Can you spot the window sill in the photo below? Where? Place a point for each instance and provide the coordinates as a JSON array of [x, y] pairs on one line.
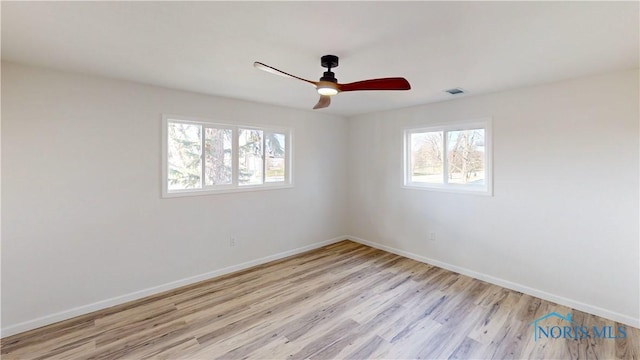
[[205, 192], [451, 189]]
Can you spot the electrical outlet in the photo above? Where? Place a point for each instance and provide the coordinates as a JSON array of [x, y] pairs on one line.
[[232, 242], [432, 236]]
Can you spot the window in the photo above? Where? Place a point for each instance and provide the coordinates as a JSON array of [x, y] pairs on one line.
[[201, 157], [452, 157]]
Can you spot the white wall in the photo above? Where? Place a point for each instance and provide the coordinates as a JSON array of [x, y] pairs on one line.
[[563, 221], [83, 220]]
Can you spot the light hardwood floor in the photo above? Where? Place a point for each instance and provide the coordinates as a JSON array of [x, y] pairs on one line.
[[343, 301]]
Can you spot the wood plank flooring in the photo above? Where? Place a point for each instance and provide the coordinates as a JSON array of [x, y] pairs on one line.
[[343, 301]]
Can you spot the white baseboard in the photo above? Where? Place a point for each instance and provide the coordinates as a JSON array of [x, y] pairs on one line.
[[100, 305], [103, 304], [595, 310]]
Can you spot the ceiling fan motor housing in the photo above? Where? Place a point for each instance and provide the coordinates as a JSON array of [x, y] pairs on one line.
[[329, 76]]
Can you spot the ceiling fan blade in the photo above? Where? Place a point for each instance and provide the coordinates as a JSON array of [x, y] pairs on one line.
[[396, 83], [270, 69], [323, 102]]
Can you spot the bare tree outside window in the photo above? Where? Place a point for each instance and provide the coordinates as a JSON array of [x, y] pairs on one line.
[[184, 156], [275, 157], [465, 156], [426, 157], [451, 157], [201, 157], [250, 153], [217, 143]]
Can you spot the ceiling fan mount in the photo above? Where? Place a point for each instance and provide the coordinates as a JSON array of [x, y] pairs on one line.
[[329, 61], [329, 86]]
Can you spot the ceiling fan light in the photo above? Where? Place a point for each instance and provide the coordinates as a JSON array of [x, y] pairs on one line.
[[328, 91], [327, 88]]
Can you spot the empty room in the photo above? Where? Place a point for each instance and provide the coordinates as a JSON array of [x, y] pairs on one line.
[[320, 180]]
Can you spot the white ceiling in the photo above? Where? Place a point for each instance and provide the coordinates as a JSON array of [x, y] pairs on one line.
[[209, 47]]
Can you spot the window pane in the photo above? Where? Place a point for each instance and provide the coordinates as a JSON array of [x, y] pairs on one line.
[[217, 163], [250, 163], [275, 164], [426, 157], [466, 156], [184, 156]]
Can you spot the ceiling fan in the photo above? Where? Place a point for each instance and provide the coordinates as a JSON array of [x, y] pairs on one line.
[[329, 86]]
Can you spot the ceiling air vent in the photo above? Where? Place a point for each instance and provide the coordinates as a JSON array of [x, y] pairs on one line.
[[455, 91]]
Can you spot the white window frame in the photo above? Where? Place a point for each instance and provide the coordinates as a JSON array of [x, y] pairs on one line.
[[234, 186], [486, 189]]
